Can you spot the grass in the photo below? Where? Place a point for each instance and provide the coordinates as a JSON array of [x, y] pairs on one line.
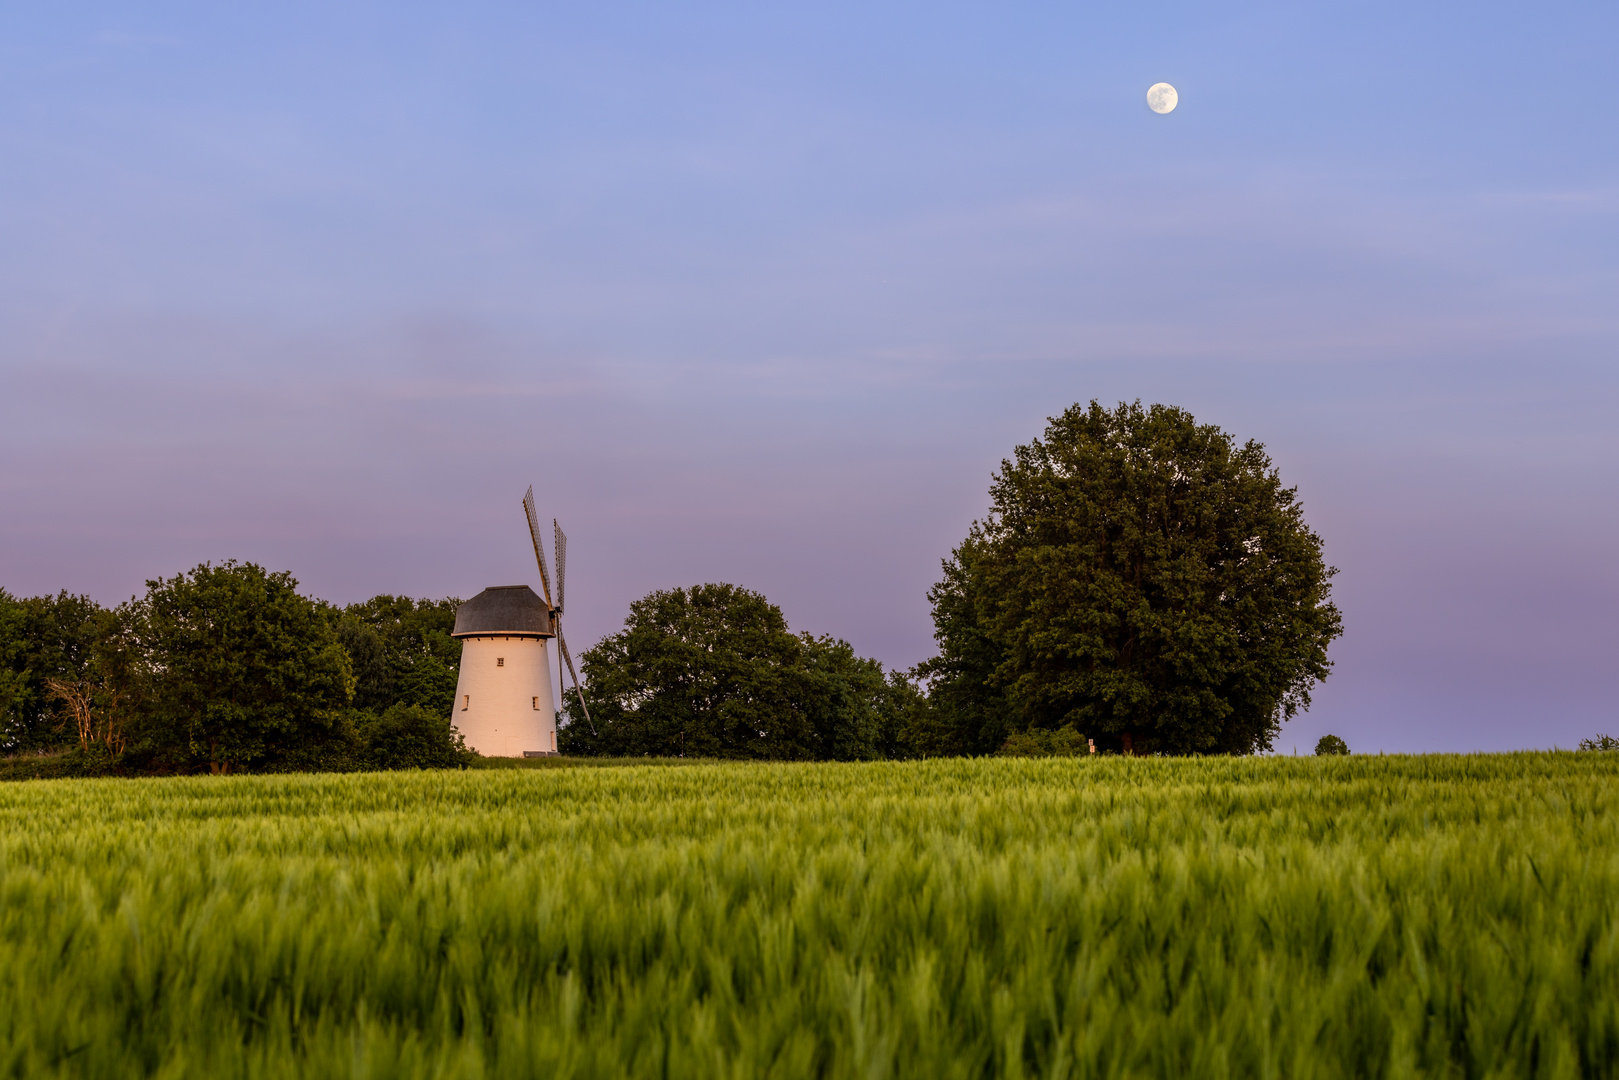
[[585, 762], [1401, 916]]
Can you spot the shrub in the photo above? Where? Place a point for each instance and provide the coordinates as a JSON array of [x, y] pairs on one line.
[[1066, 741], [59, 765], [411, 737]]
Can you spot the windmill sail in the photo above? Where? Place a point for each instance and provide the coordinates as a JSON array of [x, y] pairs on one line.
[[555, 608], [562, 645], [562, 561], [539, 546]]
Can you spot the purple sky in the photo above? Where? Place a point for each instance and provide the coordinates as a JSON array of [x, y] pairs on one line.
[[764, 296]]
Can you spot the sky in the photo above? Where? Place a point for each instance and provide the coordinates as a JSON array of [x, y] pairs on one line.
[[765, 293]]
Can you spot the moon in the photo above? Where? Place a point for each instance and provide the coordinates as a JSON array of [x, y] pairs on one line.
[[1161, 98]]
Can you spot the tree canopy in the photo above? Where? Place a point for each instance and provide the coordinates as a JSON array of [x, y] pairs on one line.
[[41, 638], [249, 668], [713, 671], [1140, 576], [402, 652]]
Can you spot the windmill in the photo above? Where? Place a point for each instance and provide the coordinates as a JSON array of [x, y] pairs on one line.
[[561, 541], [504, 704]]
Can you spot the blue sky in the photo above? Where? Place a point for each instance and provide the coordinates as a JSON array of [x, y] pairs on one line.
[[764, 293]]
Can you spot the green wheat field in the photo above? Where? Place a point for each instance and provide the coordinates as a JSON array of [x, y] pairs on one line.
[[1364, 916]]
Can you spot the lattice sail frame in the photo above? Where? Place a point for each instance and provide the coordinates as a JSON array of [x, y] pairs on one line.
[[561, 548], [539, 545], [562, 647]]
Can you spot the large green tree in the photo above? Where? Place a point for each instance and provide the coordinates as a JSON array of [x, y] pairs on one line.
[[713, 671], [1141, 576], [244, 670]]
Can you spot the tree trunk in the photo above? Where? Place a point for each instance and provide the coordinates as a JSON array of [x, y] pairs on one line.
[[77, 696], [1129, 745]]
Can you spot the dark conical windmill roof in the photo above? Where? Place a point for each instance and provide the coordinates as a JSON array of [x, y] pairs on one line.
[[503, 609]]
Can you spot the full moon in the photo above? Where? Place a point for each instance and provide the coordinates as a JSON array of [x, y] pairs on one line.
[[1161, 97]]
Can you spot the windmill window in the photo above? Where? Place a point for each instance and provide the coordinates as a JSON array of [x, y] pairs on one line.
[[466, 702], [500, 661], [536, 703]]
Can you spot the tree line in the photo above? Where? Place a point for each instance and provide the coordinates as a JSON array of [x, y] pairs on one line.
[[228, 668], [1142, 583]]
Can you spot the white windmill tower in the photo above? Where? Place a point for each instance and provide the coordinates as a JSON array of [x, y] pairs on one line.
[[503, 701]]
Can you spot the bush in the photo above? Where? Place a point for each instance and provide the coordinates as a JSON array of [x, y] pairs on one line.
[[59, 765], [1066, 741], [410, 737], [1600, 743], [1330, 745]]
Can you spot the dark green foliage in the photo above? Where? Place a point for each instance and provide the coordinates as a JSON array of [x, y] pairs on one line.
[[1600, 743], [14, 673], [61, 765], [1043, 742], [405, 668], [713, 671], [1329, 745], [402, 652], [906, 724], [1141, 577], [410, 737], [841, 695], [700, 672], [245, 671], [41, 637], [971, 712]]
